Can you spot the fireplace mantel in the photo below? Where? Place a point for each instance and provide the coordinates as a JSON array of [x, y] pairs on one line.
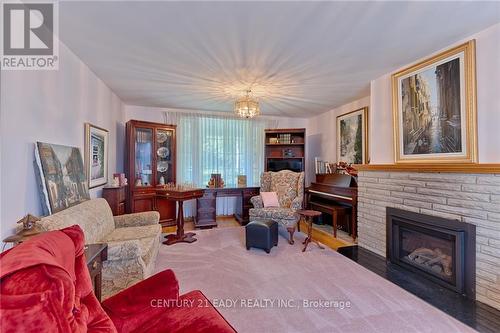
[[454, 168]]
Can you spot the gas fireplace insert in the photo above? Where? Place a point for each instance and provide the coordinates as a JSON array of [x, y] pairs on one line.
[[440, 249]]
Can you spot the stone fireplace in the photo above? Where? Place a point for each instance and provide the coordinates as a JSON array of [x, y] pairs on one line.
[[439, 249], [457, 197]]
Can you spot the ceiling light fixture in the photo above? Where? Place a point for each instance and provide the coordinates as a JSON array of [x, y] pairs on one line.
[[247, 106]]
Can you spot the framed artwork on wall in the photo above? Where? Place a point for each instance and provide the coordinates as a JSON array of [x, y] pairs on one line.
[[352, 137], [434, 109], [96, 155], [61, 176]]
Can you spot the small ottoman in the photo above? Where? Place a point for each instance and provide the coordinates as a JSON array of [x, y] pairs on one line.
[[262, 234]]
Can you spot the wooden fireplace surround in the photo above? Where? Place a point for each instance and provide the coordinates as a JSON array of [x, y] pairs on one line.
[[432, 167]]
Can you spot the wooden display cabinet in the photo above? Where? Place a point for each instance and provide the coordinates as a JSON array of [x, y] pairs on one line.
[[150, 163]]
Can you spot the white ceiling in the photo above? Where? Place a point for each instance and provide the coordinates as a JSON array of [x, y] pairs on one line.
[[301, 58]]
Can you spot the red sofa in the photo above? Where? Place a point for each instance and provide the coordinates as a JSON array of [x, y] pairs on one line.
[[45, 287]]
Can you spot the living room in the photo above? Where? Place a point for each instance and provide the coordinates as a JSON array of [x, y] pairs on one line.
[[250, 166]]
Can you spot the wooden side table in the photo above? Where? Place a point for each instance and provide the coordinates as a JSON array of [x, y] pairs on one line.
[[180, 195], [309, 215], [115, 196], [95, 254]]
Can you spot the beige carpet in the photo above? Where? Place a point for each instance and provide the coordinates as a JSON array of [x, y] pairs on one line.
[[259, 292]]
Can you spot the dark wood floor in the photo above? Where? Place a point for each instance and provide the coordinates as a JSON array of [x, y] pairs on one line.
[[477, 315]]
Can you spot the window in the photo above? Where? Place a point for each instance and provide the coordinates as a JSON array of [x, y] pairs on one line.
[[216, 144]]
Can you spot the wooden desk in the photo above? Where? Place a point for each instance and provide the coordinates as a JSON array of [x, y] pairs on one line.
[[206, 205], [180, 196]]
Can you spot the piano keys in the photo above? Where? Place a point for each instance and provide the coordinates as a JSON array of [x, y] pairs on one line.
[[337, 195]]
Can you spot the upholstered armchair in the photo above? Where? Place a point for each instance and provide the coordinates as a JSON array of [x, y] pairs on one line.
[[46, 287], [289, 186], [133, 240]]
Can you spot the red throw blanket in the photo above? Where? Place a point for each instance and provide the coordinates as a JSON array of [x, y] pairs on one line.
[[46, 287]]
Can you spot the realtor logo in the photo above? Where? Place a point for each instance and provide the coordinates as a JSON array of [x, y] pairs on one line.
[[28, 31]]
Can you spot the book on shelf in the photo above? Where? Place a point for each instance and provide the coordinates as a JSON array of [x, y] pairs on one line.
[[283, 139], [323, 166]]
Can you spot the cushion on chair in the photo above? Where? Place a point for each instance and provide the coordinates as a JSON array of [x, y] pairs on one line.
[[198, 316], [132, 252], [274, 213], [145, 231], [144, 236], [270, 199], [136, 305]]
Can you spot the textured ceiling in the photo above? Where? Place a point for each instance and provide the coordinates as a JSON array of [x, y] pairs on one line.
[[300, 58]]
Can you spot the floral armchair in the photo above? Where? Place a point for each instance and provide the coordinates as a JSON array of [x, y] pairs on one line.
[[289, 187], [133, 240]]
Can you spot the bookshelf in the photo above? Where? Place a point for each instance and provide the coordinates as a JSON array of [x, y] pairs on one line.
[[285, 149]]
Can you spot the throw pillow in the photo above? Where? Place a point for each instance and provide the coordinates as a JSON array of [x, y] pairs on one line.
[[270, 199]]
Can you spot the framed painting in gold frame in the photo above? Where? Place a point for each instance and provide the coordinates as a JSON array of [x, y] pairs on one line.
[[434, 109], [352, 137], [96, 155]]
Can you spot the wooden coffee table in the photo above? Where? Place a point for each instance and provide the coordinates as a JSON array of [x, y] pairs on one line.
[[309, 215], [180, 195]]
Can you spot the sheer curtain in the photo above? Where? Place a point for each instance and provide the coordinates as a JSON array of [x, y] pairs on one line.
[[227, 145]]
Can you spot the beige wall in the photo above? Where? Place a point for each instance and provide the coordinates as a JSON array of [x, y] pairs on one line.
[[50, 106], [488, 102], [322, 128], [322, 133]]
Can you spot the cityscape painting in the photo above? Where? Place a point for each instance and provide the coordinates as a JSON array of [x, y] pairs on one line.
[[61, 176], [433, 110], [351, 137]]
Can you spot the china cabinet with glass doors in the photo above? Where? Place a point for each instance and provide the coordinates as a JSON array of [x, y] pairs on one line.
[[149, 165]]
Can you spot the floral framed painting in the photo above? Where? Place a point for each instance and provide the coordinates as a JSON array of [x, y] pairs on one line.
[[434, 109], [96, 155], [352, 137]]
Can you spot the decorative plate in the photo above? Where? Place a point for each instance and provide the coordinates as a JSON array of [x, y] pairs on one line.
[[161, 137], [162, 166], [163, 152]]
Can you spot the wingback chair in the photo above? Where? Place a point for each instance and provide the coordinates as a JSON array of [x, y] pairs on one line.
[[289, 187]]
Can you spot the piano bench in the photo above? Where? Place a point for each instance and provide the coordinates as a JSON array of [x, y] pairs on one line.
[[334, 210], [261, 234]]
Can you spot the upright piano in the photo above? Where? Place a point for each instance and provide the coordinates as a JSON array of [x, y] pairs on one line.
[[335, 194]]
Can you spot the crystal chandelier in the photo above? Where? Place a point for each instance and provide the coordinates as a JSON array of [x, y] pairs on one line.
[[247, 106]]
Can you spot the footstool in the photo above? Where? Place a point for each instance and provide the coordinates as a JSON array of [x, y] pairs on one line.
[[262, 234]]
